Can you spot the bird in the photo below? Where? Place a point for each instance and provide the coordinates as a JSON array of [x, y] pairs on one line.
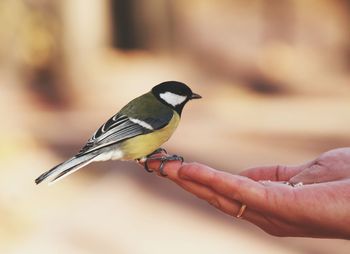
[[136, 132]]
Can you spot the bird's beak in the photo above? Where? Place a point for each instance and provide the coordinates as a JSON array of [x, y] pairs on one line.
[[195, 96]]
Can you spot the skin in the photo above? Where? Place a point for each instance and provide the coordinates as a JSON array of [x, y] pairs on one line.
[[319, 208]]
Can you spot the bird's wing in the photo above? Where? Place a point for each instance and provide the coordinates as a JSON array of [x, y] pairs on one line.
[[121, 127]]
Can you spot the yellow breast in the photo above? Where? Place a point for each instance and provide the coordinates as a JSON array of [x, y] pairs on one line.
[[142, 145]]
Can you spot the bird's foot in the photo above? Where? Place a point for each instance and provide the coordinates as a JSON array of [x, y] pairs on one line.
[[143, 161], [163, 160]]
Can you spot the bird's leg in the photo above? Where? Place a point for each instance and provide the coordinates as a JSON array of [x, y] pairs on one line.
[[163, 160], [159, 150]]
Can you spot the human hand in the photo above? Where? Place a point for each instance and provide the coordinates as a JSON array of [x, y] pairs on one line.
[[315, 210]]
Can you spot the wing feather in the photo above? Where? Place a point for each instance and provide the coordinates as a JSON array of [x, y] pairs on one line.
[[115, 130]]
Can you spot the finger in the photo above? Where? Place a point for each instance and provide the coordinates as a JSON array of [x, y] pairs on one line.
[[226, 205], [171, 169], [209, 195], [239, 188], [315, 174], [274, 173], [268, 222]]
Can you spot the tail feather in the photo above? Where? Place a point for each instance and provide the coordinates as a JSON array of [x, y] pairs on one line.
[[65, 168]]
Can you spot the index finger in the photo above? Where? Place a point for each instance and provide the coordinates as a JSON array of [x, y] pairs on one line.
[[239, 188]]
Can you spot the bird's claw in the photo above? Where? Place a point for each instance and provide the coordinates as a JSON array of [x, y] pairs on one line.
[[162, 160], [144, 159]]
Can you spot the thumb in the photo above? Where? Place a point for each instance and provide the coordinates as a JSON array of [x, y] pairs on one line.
[[314, 174], [275, 173]]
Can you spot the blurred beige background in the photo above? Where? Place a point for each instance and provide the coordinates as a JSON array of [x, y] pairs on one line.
[[275, 81]]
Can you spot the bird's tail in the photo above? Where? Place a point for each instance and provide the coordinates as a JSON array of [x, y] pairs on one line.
[[65, 168]]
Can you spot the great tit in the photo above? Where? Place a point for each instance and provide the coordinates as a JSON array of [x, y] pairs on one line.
[[134, 133]]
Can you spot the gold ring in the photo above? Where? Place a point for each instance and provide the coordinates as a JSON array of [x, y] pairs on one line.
[[241, 211]]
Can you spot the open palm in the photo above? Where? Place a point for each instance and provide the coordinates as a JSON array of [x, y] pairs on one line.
[[319, 208]]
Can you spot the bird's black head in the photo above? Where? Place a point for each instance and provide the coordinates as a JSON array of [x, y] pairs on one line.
[[174, 94]]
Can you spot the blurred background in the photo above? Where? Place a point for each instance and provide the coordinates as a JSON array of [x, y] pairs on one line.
[[275, 81]]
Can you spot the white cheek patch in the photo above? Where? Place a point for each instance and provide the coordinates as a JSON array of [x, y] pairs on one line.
[[172, 98]]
